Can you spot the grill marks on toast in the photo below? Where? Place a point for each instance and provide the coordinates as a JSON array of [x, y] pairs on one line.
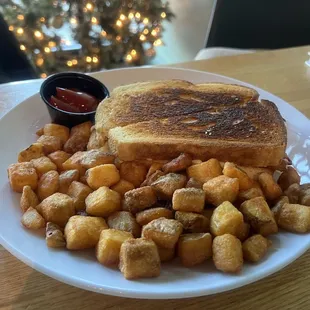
[[248, 124]]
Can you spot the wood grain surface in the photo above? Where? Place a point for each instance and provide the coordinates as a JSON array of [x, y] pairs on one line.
[[281, 72]]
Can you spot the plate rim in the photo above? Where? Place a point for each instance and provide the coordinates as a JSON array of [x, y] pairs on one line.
[[82, 283]]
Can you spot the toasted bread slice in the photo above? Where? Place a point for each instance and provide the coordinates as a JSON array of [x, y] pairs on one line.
[[146, 101], [251, 134]]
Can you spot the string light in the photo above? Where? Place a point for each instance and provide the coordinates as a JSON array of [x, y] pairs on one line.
[[22, 47], [38, 34], [119, 23], [43, 75], [130, 15], [145, 21], [11, 28], [40, 62], [154, 33], [145, 31], [88, 59], [74, 62], [118, 38], [122, 17], [95, 59], [47, 49], [20, 17], [163, 15], [94, 20], [73, 20], [157, 29], [138, 15], [51, 44], [42, 19], [129, 58], [142, 37], [158, 42], [89, 6], [103, 33], [69, 63], [20, 31], [133, 52]]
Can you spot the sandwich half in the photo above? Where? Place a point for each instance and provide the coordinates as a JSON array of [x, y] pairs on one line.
[[160, 120]]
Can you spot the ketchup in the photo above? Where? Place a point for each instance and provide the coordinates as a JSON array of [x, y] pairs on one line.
[[72, 100]]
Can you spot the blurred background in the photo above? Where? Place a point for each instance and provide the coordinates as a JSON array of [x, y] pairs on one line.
[[42, 37]]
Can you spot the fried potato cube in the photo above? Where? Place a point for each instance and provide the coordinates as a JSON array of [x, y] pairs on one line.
[[122, 187], [139, 259], [125, 221], [102, 175], [75, 144], [293, 192], [189, 200], [226, 219], [193, 222], [32, 219], [35, 150], [50, 144], [109, 246], [178, 164], [227, 253], [220, 189], [278, 205], [194, 249], [40, 132], [48, 184], [204, 171], [74, 162], [103, 202], [78, 192], [165, 255], [166, 185], [304, 198], [28, 199], [254, 172], [95, 158], [78, 139], [83, 232], [54, 237], [250, 193], [257, 213], [232, 171], [55, 130], [93, 142], [243, 231], [196, 161], [294, 218], [83, 129], [57, 209], [194, 183], [164, 232], [66, 178], [255, 248], [58, 158], [156, 166], [43, 165], [288, 177], [139, 199], [133, 172], [146, 216], [269, 186], [22, 174], [152, 178]]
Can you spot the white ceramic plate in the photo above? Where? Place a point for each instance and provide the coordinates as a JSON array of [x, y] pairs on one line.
[[17, 131]]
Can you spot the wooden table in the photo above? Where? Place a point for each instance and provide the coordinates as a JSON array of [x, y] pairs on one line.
[[281, 72]]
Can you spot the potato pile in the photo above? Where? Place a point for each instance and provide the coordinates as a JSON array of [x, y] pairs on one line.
[[138, 215]]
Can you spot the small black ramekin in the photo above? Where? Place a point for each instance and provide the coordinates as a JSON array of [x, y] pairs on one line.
[[83, 83]]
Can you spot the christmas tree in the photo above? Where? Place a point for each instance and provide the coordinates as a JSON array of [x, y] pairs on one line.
[[103, 33]]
